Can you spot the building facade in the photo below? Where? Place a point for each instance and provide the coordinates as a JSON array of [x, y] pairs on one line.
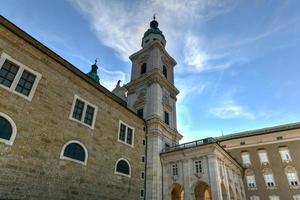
[[64, 136]]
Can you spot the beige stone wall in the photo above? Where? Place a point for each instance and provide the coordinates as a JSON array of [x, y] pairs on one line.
[[31, 168], [271, 144]]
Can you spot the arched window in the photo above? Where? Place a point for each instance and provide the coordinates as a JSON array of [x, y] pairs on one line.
[[165, 72], [143, 68], [123, 167], [74, 151], [8, 129]]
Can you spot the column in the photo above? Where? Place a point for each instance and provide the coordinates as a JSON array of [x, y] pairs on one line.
[[214, 177]]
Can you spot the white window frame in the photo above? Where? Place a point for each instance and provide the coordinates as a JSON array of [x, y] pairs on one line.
[[14, 130], [266, 180], [71, 159], [283, 151], [16, 80], [122, 174], [274, 197], [296, 179], [296, 197], [250, 179], [254, 197], [86, 103], [127, 126], [263, 157], [246, 162]]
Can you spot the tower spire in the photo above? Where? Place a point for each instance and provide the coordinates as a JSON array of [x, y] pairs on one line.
[[93, 73]]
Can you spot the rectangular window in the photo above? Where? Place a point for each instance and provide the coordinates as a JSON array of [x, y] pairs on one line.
[[78, 109], [293, 179], [274, 197], [167, 118], [122, 132], [246, 158], [296, 197], [25, 83], [285, 154], [129, 136], [89, 115], [263, 156], [143, 158], [83, 112], [18, 78], [8, 73], [254, 198], [198, 166], [140, 113], [144, 142], [269, 180], [175, 170], [251, 182], [126, 134], [142, 193], [143, 175]]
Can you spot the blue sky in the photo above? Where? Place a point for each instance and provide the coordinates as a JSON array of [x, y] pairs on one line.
[[238, 61]]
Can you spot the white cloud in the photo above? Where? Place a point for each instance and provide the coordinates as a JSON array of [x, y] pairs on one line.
[[230, 109], [120, 25]]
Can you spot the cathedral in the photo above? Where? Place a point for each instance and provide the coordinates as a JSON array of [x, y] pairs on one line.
[[65, 136]]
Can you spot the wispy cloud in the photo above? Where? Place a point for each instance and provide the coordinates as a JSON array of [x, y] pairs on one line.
[[230, 110], [120, 26]]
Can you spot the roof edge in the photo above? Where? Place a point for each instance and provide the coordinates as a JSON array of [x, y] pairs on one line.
[[43, 48]]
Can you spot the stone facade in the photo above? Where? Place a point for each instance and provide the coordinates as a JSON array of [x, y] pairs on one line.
[[204, 171], [271, 141], [31, 167]]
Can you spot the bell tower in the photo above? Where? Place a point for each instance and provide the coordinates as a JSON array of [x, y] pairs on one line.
[[152, 95]]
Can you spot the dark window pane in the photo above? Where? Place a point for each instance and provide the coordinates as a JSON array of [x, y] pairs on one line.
[[122, 132], [5, 129], [166, 117], [89, 115], [78, 109], [8, 73], [123, 167], [143, 68], [25, 83], [165, 71], [129, 136], [140, 112], [75, 151]]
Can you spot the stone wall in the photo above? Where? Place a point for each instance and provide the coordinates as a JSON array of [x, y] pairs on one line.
[[31, 168]]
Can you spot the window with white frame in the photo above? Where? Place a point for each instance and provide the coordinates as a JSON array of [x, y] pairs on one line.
[[175, 169], [296, 197], [126, 134], [254, 197], [83, 112], [251, 181], [123, 167], [285, 154], [292, 178], [198, 166], [74, 151], [274, 197], [246, 158], [18, 78], [8, 129], [269, 180], [263, 156]]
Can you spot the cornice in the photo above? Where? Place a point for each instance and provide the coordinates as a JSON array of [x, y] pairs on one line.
[[155, 44], [153, 76]]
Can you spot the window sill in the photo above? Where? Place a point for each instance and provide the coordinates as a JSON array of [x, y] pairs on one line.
[[294, 187], [121, 141], [252, 188], [271, 188], [82, 123]]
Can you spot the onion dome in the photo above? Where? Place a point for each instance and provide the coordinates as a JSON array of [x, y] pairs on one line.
[[93, 73], [154, 29]]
